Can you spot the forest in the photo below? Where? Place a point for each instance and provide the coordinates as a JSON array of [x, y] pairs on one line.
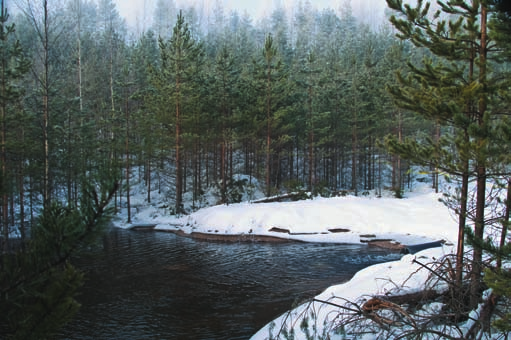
[[314, 100], [293, 101]]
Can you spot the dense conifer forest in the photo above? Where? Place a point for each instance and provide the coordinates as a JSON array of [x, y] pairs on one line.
[[311, 100], [293, 100]]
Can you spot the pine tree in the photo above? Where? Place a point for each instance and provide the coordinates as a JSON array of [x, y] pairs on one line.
[[454, 91], [174, 79], [308, 83], [38, 284], [499, 278], [271, 85], [145, 54], [226, 77]]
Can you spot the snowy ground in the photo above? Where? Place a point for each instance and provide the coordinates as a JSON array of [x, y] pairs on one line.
[[418, 218], [391, 278]]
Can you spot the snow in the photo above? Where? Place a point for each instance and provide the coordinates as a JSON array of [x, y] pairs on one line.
[[378, 280], [418, 218]]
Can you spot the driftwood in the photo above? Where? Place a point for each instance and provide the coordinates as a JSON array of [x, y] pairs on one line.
[[393, 304], [391, 301], [292, 196], [280, 230], [370, 307]]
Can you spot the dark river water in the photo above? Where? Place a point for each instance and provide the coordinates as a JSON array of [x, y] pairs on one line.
[[154, 285]]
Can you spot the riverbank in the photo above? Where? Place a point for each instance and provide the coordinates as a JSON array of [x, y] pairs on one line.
[[387, 244], [416, 219]]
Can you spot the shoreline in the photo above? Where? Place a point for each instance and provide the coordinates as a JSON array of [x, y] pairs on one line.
[[387, 244], [228, 238]]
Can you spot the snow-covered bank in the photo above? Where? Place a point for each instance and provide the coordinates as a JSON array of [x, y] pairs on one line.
[[405, 276], [418, 218]]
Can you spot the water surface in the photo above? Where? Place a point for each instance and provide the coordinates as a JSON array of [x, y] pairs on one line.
[[154, 285]]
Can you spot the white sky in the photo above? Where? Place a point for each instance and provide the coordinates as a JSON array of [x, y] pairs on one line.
[[139, 11]]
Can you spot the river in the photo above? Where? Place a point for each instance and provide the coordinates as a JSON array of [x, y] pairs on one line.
[[155, 285]]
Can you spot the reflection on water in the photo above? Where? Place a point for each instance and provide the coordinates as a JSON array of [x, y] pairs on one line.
[[153, 285]]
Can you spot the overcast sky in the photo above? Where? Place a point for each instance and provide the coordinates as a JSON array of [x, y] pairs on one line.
[[138, 11]]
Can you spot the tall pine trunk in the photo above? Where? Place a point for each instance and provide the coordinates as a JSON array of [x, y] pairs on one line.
[[46, 105], [505, 224], [311, 140], [268, 131], [4, 223], [179, 173], [127, 154], [476, 276]]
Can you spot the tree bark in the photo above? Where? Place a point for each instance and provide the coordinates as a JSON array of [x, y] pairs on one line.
[[127, 151], [505, 223], [179, 174], [46, 105], [477, 259], [380, 302], [268, 130], [4, 223]]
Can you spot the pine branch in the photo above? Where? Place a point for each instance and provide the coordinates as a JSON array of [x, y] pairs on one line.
[[97, 213]]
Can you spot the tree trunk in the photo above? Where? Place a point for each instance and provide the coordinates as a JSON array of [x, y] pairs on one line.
[[435, 170], [481, 171], [79, 59], [461, 229], [223, 153], [148, 174], [399, 180], [268, 132], [231, 161], [505, 223], [179, 175], [21, 184], [128, 155], [354, 157], [311, 141], [46, 108], [4, 224]]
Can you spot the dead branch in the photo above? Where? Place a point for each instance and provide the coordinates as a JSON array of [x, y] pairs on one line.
[[483, 322], [411, 298], [292, 196]]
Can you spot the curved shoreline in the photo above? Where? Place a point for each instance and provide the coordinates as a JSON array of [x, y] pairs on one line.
[[233, 238], [229, 238]]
